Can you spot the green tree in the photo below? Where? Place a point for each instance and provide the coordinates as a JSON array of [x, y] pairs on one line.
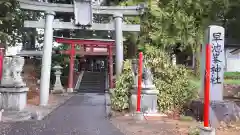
[[180, 24], [9, 21], [12, 31]]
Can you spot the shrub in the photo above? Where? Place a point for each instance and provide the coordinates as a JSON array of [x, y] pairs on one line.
[[175, 90], [120, 94], [171, 80], [193, 131]]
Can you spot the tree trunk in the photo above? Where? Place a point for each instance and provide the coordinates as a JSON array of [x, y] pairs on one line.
[[193, 60], [196, 60], [174, 59], [132, 46]]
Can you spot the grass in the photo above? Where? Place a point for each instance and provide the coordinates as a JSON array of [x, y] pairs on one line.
[[232, 78], [197, 83], [232, 81], [231, 74]]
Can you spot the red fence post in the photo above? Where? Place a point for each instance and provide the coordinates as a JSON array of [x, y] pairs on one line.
[[140, 67], [207, 85], [1, 62]]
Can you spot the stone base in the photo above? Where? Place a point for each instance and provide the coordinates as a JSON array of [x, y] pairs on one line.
[[14, 116], [13, 99], [1, 114], [220, 111], [57, 91], [70, 90], [138, 116], [155, 115], [148, 102], [207, 131]]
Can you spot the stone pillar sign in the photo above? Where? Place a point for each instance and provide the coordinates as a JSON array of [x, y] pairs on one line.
[[220, 110], [58, 88], [214, 37]]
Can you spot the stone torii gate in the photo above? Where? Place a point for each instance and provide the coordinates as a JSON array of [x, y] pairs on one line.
[[83, 11]]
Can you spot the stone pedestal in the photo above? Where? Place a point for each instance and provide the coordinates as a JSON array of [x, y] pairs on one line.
[[13, 98], [70, 90], [225, 111], [148, 100], [207, 131], [138, 116], [1, 111], [58, 88]]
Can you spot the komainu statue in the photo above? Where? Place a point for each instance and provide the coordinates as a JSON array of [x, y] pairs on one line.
[[17, 67], [12, 69]]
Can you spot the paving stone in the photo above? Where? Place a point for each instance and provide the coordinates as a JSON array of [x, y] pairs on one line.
[[35, 112], [80, 115]]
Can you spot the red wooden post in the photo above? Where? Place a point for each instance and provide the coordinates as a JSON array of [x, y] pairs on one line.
[[71, 67], [140, 67], [207, 85], [84, 48], [1, 61], [79, 64], [110, 66], [91, 48]]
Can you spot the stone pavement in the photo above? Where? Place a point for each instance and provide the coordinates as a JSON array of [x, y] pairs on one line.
[[81, 115], [35, 111]]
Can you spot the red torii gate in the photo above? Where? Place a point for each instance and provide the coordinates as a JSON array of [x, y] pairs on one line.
[[84, 43]]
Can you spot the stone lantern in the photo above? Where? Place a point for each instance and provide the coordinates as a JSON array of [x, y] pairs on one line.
[[58, 88]]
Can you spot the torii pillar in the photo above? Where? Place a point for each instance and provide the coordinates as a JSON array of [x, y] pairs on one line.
[[118, 18], [46, 59]]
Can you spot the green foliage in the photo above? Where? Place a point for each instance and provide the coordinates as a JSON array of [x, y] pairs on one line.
[[120, 94], [175, 90], [168, 22], [194, 131], [11, 24], [9, 20], [232, 81], [232, 75], [185, 118], [62, 60]]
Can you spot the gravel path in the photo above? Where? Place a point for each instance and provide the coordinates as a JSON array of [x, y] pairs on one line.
[[81, 115]]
